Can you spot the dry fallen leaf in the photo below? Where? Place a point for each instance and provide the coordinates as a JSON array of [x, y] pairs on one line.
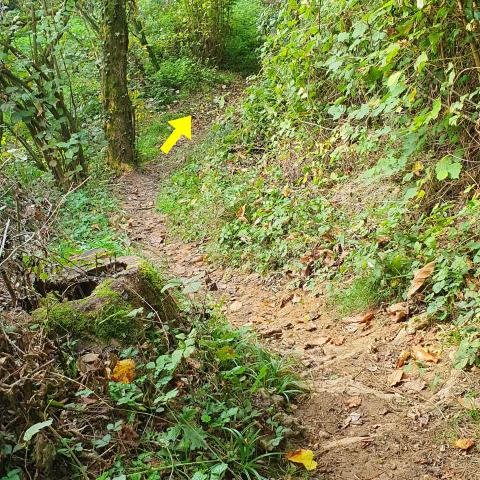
[[365, 318], [424, 355], [395, 378], [305, 457], [241, 214], [124, 371], [404, 356], [415, 385], [398, 310], [420, 278], [464, 443], [354, 402]]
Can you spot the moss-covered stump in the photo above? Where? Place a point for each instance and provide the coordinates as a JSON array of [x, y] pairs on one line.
[[122, 307]]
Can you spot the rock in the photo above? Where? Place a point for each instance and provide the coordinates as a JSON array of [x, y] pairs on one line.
[[419, 322], [235, 306], [273, 332]]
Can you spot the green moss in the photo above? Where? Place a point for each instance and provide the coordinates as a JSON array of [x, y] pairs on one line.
[[152, 278], [54, 315], [104, 290], [115, 317]]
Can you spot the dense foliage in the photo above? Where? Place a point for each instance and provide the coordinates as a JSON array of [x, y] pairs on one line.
[[355, 157]]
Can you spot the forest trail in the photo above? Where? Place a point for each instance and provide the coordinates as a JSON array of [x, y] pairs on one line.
[[362, 420]]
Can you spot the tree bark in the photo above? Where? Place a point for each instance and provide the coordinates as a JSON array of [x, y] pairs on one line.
[[118, 109]]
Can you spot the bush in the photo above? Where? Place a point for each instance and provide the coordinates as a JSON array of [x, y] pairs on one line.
[[243, 42], [182, 76]]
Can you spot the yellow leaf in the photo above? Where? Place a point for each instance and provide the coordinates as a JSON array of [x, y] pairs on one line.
[[124, 371], [305, 457], [464, 443]]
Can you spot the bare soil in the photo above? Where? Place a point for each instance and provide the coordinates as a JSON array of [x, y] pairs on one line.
[[361, 423]]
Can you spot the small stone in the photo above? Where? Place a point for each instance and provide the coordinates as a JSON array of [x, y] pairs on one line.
[[235, 306]]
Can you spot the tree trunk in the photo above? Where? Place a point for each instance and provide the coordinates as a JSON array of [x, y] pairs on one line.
[[118, 109]]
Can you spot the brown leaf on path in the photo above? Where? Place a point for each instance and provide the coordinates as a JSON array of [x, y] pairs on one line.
[[395, 378], [124, 371], [464, 443], [305, 457], [364, 318], [404, 356], [416, 385], [398, 310], [424, 355], [420, 277], [354, 402]]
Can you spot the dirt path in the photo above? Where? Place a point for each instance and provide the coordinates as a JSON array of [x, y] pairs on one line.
[[362, 423]]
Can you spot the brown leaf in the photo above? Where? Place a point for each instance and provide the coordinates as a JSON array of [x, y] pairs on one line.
[[354, 402], [415, 385], [398, 310], [124, 371], [338, 341], [241, 214], [364, 318], [420, 277], [424, 355], [464, 443], [395, 378], [404, 356]]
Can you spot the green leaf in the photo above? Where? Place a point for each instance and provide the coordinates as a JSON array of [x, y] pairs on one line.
[[421, 62], [441, 169], [393, 79], [34, 429], [446, 168], [218, 470], [199, 476], [336, 111], [454, 170], [420, 4], [436, 106]]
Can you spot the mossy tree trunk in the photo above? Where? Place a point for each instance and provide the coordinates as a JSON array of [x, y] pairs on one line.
[[118, 109]]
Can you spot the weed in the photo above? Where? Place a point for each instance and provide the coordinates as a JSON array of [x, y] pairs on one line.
[[85, 221]]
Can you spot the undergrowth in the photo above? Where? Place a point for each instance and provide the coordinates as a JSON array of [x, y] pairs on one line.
[[351, 161], [202, 401]]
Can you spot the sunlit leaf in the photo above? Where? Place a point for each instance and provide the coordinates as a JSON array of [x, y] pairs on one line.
[[305, 457], [124, 371]]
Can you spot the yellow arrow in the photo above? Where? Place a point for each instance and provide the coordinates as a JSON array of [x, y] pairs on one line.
[[182, 127]]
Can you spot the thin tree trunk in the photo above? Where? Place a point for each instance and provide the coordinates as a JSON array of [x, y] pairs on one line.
[[142, 38], [118, 109]]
